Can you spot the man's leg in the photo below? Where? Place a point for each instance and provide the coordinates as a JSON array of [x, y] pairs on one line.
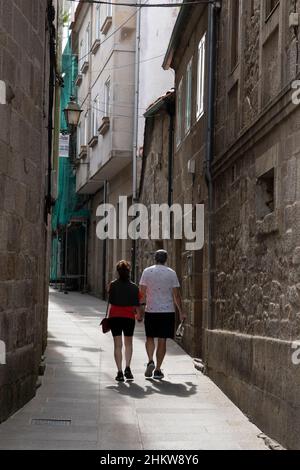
[[160, 352], [150, 348]]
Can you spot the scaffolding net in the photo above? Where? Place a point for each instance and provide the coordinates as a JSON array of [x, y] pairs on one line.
[[69, 213]]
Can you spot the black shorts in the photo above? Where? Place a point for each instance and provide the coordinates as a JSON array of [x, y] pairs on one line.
[[119, 325], [160, 325]]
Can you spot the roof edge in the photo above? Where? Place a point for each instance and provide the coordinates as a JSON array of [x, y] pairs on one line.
[[159, 104], [182, 16]]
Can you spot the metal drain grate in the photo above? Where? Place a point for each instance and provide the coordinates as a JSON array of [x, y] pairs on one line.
[[51, 422]]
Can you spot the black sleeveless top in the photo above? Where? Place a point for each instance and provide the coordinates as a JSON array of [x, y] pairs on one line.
[[124, 294]]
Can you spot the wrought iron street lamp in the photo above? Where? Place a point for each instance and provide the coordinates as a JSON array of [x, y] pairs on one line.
[[72, 113]]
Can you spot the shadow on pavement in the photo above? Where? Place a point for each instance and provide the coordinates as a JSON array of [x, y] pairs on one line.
[[164, 387]]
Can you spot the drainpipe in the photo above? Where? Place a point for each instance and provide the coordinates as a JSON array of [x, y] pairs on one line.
[[170, 154], [212, 10], [84, 291], [136, 124], [104, 255], [49, 202], [66, 260]]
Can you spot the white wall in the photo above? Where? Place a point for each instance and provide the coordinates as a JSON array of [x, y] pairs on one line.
[[156, 29]]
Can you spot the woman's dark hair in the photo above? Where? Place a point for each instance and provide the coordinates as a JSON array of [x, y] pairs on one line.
[[123, 268]]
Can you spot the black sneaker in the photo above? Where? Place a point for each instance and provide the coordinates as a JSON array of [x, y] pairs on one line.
[[120, 377], [158, 375], [149, 370], [128, 374]]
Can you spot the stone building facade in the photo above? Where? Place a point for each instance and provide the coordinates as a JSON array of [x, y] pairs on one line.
[[154, 184], [257, 225], [248, 347], [25, 29], [113, 96], [159, 184]]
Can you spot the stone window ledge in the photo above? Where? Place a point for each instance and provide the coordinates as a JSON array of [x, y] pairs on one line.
[[78, 80], [93, 141], [83, 152], [106, 25], [268, 225], [103, 129], [84, 67], [95, 46]]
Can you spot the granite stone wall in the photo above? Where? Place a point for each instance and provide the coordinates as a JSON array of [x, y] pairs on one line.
[[24, 66]]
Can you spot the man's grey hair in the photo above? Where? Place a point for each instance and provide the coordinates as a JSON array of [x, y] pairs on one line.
[[161, 256]]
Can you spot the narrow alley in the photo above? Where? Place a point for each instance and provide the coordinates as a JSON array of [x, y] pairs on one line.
[[80, 406]]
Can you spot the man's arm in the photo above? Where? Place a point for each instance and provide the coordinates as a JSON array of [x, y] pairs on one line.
[[143, 291], [178, 302]]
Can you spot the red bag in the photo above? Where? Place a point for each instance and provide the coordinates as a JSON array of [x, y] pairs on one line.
[[105, 322]]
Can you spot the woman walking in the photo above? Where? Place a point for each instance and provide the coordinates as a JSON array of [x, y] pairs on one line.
[[123, 308]]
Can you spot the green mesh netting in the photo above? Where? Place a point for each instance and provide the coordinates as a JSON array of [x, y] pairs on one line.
[[68, 204]]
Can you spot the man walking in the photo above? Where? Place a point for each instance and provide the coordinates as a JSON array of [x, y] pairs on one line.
[[160, 288]]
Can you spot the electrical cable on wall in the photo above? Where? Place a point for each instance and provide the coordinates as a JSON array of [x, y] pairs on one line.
[[149, 5]]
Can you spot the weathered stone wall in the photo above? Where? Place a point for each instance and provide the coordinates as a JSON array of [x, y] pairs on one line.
[[191, 188], [260, 253], [23, 233], [257, 224], [155, 184]]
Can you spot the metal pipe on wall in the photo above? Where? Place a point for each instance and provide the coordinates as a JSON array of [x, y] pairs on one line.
[[135, 126], [104, 256], [212, 10]]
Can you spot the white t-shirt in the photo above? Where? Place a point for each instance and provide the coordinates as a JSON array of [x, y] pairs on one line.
[[160, 282]]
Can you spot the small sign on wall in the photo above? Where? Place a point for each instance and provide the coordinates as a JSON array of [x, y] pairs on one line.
[[2, 92], [64, 145]]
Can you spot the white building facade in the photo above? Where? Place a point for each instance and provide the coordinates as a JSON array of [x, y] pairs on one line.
[[105, 39]]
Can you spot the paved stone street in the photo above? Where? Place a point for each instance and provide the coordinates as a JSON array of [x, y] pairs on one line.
[[185, 411]]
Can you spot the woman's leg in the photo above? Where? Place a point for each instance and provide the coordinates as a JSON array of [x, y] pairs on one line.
[[128, 349], [118, 351]]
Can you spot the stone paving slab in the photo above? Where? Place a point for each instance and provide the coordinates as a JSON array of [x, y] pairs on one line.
[[185, 411]]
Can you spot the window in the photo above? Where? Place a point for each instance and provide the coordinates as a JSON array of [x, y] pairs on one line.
[[95, 116], [270, 6], [87, 42], [179, 114], [81, 53], [84, 130], [235, 32], [106, 97], [188, 97], [109, 9], [78, 138], [201, 77], [98, 22], [265, 194]]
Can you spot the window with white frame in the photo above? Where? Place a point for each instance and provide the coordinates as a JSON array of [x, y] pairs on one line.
[[78, 138], [106, 97], [95, 115], [87, 42], [98, 22], [81, 53], [84, 129], [188, 96], [179, 114], [109, 9], [201, 77]]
